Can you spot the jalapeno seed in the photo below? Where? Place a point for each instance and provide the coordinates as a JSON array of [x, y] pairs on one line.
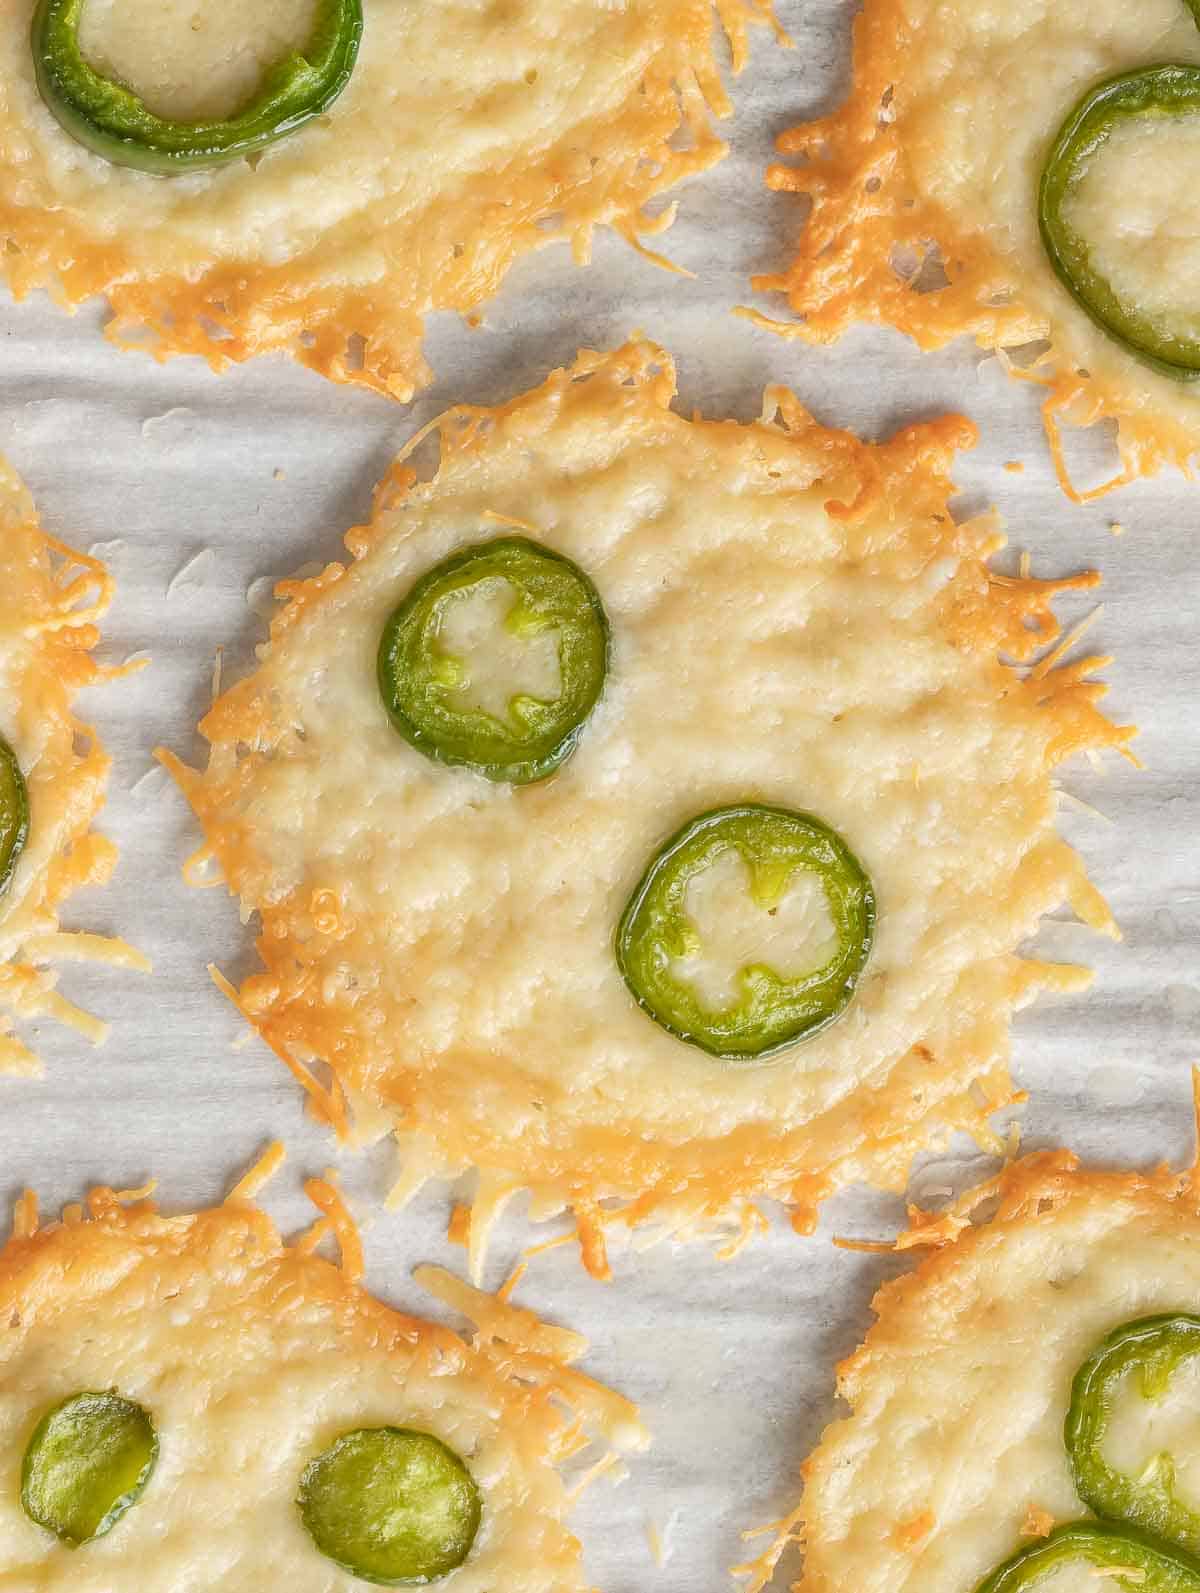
[[14, 813]]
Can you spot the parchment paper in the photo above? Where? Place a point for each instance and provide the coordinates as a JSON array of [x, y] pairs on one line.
[[266, 467]]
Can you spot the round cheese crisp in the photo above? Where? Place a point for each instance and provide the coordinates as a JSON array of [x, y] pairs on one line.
[[953, 1457], [797, 623], [251, 1358], [50, 601], [925, 194], [469, 133]]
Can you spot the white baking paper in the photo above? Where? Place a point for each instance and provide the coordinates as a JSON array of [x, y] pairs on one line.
[[199, 486]]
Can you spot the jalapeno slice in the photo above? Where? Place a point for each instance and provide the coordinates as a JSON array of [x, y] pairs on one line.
[[423, 684], [1150, 94], [88, 1462], [14, 813], [111, 120], [1148, 1352], [1103, 1548], [771, 1011], [391, 1505]]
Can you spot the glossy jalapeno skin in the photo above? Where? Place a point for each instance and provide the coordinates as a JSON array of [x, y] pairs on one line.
[[1154, 92], [112, 121], [771, 1012], [1148, 1351], [419, 682], [87, 1463], [1106, 1549], [391, 1505], [14, 813]]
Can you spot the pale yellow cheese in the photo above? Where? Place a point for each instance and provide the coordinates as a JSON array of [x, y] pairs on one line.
[[190, 59], [938, 153], [447, 942], [1138, 207], [471, 131], [959, 1394], [494, 664], [50, 601], [251, 1358]]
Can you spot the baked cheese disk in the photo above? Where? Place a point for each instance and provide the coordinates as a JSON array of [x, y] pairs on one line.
[[928, 205], [244, 1361], [468, 133], [566, 979], [1040, 1360], [53, 769]]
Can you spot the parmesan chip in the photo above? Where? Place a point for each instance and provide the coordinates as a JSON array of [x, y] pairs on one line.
[[51, 599], [797, 619], [924, 190], [251, 1356], [471, 132]]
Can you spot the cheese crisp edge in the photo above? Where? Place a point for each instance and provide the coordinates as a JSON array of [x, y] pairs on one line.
[[612, 1180], [866, 205], [74, 593], [232, 311]]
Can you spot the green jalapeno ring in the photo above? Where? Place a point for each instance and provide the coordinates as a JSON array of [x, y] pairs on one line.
[[772, 1013], [1152, 92], [551, 593], [391, 1505], [14, 813], [112, 121], [1152, 1346], [87, 1463], [1158, 1567]]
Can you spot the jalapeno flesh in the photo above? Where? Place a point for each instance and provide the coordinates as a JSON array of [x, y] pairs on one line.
[[111, 120], [1105, 1549], [391, 1505], [422, 684], [1146, 1352], [771, 1012], [1150, 94], [14, 813], [88, 1462]]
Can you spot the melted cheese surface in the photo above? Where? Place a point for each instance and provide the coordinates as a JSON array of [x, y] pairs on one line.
[[192, 59], [471, 131], [960, 1391], [251, 1359], [941, 148], [470, 982], [790, 936], [1138, 207]]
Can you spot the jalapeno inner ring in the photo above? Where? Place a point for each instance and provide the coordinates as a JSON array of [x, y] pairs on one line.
[[1149, 1351], [770, 1012], [1107, 1549], [391, 1505], [423, 685], [113, 121], [14, 813], [1154, 92], [87, 1463]]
